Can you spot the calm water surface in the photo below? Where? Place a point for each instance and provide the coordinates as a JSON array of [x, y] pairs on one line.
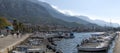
[[69, 45]]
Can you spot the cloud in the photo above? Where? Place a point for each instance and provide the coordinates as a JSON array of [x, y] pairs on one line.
[[65, 11], [42, 0], [115, 20], [93, 17]]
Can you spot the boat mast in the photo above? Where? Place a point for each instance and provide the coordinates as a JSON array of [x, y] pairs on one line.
[[111, 25], [105, 28]]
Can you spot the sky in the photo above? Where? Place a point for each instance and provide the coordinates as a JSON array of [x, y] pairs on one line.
[[95, 9]]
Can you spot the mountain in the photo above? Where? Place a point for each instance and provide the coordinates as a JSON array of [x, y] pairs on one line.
[[81, 19], [103, 23], [55, 13], [98, 22], [36, 12], [29, 12]]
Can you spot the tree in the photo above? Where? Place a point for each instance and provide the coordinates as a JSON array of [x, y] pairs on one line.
[[21, 26], [4, 23], [16, 25]]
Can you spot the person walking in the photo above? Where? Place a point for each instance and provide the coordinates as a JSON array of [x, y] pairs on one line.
[[17, 34]]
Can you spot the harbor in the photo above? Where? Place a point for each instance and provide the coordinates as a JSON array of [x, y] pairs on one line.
[[62, 26], [69, 45], [40, 43]]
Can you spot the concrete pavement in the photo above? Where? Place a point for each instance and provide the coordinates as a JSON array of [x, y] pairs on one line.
[[9, 42]]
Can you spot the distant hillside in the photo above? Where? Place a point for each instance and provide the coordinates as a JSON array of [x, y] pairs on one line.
[[55, 13], [99, 22], [36, 12], [29, 12]]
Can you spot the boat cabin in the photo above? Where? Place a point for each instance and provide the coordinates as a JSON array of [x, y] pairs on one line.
[[38, 50]]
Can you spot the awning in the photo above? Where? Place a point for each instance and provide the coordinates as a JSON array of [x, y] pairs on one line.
[[9, 28]]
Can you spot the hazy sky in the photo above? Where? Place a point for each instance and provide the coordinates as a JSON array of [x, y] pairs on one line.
[[95, 9]]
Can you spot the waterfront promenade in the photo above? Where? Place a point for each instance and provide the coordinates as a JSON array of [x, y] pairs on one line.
[[9, 42], [117, 45]]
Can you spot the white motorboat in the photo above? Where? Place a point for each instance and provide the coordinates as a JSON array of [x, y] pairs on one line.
[[96, 43]]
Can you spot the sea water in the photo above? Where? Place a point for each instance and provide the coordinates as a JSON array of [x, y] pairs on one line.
[[69, 45]]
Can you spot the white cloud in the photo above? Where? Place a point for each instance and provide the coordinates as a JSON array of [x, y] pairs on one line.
[[42, 0], [93, 17], [115, 20], [65, 11]]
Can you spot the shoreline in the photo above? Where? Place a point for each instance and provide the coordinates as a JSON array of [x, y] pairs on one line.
[[116, 49]]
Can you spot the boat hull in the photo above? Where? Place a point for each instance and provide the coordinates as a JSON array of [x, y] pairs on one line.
[[93, 49]]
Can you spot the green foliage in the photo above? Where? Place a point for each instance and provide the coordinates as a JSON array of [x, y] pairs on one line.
[[18, 25], [4, 22]]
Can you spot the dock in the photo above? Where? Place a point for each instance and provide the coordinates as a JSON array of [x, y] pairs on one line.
[[117, 45], [10, 42]]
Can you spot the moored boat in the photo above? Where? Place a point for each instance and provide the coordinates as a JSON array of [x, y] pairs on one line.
[[96, 43], [68, 35], [93, 46]]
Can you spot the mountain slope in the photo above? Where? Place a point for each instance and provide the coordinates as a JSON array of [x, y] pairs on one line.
[[55, 13], [36, 12], [81, 19], [99, 22], [30, 12]]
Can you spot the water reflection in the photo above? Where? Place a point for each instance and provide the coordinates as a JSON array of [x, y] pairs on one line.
[[69, 45]]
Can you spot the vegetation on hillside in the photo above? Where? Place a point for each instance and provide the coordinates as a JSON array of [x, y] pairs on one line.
[[4, 22]]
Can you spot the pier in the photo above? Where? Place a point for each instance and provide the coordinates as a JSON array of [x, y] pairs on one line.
[[117, 45], [8, 43]]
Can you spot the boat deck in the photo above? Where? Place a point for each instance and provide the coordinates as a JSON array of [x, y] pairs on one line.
[[35, 43], [90, 45]]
